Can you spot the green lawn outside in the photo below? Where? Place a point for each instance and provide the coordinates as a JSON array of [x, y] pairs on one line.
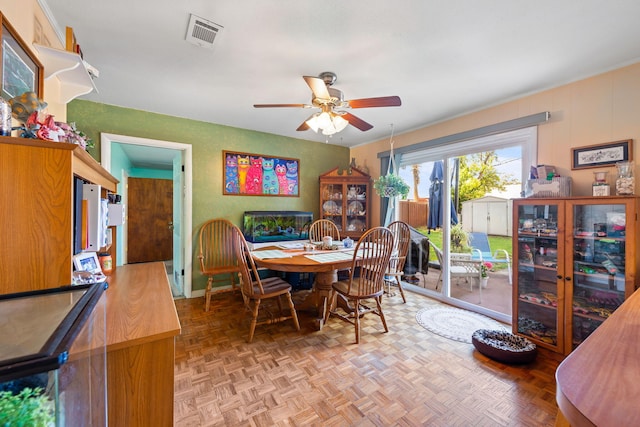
[[496, 242]]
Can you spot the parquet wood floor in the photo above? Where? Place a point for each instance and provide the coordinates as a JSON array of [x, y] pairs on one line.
[[407, 377]]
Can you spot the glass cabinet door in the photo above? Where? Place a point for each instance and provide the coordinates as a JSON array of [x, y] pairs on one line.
[[598, 259], [538, 250], [356, 219], [331, 202], [344, 199]]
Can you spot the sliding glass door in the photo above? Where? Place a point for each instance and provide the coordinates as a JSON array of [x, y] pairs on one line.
[[466, 190]]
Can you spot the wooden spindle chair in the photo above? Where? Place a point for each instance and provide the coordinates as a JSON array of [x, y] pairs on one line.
[[321, 228], [217, 256], [256, 290], [366, 281], [402, 240]]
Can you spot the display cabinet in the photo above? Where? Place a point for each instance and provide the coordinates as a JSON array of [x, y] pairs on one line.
[[576, 263], [344, 199]]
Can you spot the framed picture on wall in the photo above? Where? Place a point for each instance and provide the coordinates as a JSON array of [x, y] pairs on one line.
[[20, 69], [596, 156], [247, 174]]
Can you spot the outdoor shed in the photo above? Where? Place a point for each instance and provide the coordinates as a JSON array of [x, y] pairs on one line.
[[490, 214]]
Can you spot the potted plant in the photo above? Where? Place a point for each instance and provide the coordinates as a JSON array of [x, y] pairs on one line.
[[459, 239], [485, 267], [391, 185]]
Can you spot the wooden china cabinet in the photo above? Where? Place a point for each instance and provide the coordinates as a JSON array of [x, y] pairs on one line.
[[345, 199], [576, 261]]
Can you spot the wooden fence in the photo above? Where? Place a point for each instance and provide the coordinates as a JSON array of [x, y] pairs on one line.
[[414, 213]]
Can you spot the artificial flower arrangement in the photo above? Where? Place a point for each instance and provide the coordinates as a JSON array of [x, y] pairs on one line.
[[74, 136], [485, 268]]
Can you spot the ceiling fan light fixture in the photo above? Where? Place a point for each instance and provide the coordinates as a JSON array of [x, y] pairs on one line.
[[339, 122], [312, 122], [326, 121]]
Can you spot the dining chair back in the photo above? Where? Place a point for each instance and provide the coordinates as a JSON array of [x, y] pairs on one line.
[[321, 228], [365, 281], [256, 290], [401, 240], [217, 256]]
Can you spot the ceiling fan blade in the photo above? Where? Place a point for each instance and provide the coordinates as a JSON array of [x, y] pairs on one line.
[[383, 101], [357, 122], [282, 105], [318, 87], [303, 126]]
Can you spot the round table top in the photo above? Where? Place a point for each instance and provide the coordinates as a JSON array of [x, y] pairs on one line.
[[298, 262]]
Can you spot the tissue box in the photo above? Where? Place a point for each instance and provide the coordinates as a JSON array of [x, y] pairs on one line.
[[545, 170], [559, 186]]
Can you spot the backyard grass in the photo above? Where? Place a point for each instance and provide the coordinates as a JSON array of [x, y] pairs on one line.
[[496, 242]]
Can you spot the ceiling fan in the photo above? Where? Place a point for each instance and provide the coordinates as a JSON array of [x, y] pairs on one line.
[[332, 118]]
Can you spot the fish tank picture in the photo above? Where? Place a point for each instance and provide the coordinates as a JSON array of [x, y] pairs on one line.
[[276, 226]]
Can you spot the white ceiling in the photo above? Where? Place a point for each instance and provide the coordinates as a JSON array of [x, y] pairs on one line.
[[443, 58], [148, 157]]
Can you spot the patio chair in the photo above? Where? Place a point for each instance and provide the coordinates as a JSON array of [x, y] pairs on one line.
[[482, 251], [462, 266]]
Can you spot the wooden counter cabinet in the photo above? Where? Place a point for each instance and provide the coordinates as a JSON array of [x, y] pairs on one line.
[[597, 384], [142, 324]]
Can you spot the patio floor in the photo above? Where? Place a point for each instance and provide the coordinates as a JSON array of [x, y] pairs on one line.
[[497, 296]]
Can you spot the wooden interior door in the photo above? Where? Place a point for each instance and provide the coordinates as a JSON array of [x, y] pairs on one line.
[[150, 222]]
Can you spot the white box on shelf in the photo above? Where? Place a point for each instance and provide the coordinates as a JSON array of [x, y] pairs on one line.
[[96, 217], [116, 214]]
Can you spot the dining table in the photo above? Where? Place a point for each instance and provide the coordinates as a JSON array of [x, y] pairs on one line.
[[324, 263]]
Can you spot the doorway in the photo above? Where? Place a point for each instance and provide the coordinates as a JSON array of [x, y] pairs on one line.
[[177, 157], [150, 220]]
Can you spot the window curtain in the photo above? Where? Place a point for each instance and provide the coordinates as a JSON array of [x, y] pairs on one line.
[[391, 202]]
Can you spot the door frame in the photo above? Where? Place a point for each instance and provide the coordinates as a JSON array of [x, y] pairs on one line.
[[106, 139]]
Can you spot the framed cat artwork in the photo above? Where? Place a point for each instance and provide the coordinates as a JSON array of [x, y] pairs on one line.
[[248, 174]]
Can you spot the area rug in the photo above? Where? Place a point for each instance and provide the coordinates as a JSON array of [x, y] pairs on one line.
[[454, 323]]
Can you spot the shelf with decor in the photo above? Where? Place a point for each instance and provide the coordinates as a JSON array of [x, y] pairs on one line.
[[576, 264], [344, 199], [69, 68]]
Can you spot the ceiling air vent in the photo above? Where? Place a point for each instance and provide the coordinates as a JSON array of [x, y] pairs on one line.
[[202, 32]]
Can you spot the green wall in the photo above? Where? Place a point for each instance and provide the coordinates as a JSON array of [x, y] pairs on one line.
[[208, 141]]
